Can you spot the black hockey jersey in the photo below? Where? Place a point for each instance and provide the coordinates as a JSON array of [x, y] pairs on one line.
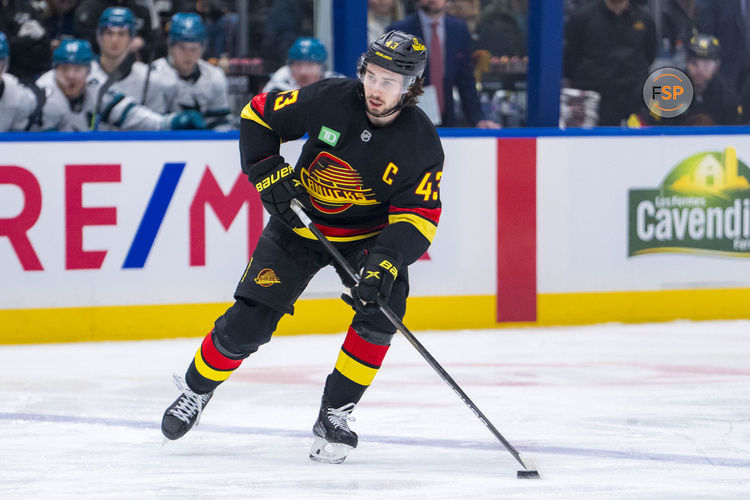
[[362, 180]]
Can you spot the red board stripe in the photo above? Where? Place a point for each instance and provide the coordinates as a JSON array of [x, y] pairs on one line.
[[214, 358], [370, 353], [516, 230]]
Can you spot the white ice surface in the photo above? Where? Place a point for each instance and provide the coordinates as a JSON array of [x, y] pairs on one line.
[[608, 412]]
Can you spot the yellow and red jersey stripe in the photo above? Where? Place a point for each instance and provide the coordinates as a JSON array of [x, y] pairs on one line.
[[253, 111], [213, 365], [341, 234], [425, 220], [359, 360]]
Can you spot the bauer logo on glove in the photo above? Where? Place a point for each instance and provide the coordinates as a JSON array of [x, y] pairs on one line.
[[374, 284], [275, 177], [274, 180]]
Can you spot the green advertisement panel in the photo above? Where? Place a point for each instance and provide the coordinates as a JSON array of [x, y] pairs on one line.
[[701, 207]]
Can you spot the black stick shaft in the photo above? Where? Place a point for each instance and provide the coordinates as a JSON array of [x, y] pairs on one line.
[[298, 209]]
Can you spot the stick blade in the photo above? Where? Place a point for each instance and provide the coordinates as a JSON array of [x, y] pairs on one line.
[[528, 474], [530, 470]]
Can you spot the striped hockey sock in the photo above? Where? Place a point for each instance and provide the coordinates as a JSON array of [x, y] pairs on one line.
[[209, 367], [357, 364]]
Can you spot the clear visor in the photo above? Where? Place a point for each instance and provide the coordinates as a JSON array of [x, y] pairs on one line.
[[388, 82], [114, 29]]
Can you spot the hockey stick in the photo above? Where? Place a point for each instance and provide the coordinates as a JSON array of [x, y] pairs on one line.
[[530, 471], [152, 49], [120, 71]]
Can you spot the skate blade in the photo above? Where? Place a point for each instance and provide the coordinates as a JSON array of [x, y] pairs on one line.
[[329, 453]]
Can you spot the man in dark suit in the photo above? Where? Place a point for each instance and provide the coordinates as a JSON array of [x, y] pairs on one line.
[[449, 60], [729, 21]]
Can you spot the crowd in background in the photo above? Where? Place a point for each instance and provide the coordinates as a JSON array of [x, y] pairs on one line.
[[281, 53], [611, 46], [478, 79]]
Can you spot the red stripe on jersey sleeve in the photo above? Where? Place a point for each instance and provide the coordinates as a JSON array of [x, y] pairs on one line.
[[214, 358], [342, 232], [431, 214], [259, 103], [363, 350]]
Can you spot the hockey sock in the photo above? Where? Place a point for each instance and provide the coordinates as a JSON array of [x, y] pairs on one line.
[[209, 367], [358, 362]]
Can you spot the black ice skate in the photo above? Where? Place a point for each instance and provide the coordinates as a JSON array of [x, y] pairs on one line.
[[333, 438], [184, 412]]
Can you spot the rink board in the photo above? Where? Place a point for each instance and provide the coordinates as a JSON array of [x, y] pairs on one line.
[[133, 237], [643, 228], [146, 235]]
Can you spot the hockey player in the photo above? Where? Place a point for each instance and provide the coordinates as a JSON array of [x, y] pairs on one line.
[[72, 97], [17, 102], [192, 82], [306, 65], [370, 174], [116, 31]]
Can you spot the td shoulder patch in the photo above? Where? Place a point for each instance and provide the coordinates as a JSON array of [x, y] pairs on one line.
[[328, 136]]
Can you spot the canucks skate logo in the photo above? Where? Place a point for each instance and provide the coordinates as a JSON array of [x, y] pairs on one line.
[[267, 277], [702, 207], [334, 185]]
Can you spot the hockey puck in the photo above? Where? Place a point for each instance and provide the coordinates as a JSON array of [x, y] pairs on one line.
[[527, 474]]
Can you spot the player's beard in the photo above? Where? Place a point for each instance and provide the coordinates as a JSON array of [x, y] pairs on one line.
[[380, 114]]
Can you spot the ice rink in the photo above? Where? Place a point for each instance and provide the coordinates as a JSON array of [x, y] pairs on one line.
[[608, 412]]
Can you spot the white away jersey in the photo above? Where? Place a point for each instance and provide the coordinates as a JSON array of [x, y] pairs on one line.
[[133, 83], [206, 92], [17, 103], [117, 111]]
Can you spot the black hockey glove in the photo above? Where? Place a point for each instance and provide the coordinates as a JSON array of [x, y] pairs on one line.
[[274, 180], [378, 271]]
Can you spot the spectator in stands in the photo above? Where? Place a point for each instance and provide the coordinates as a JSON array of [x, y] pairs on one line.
[[221, 21], [87, 22], [715, 102], [467, 11], [502, 28], [609, 46], [729, 21], [221, 24], [679, 21], [448, 62], [20, 20], [287, 20], [17, 102], [58, 17], [191, 82], [74, 101], [114, 36], [381, 13], [307, 59]]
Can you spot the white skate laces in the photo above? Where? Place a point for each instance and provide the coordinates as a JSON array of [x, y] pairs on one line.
[[332, 437], [190, 404], [339, 416]]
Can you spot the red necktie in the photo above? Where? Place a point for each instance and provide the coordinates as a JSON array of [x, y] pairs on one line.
[[436, 65]]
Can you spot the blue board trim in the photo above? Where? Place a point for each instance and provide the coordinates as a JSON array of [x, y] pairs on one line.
[[233, 135]]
